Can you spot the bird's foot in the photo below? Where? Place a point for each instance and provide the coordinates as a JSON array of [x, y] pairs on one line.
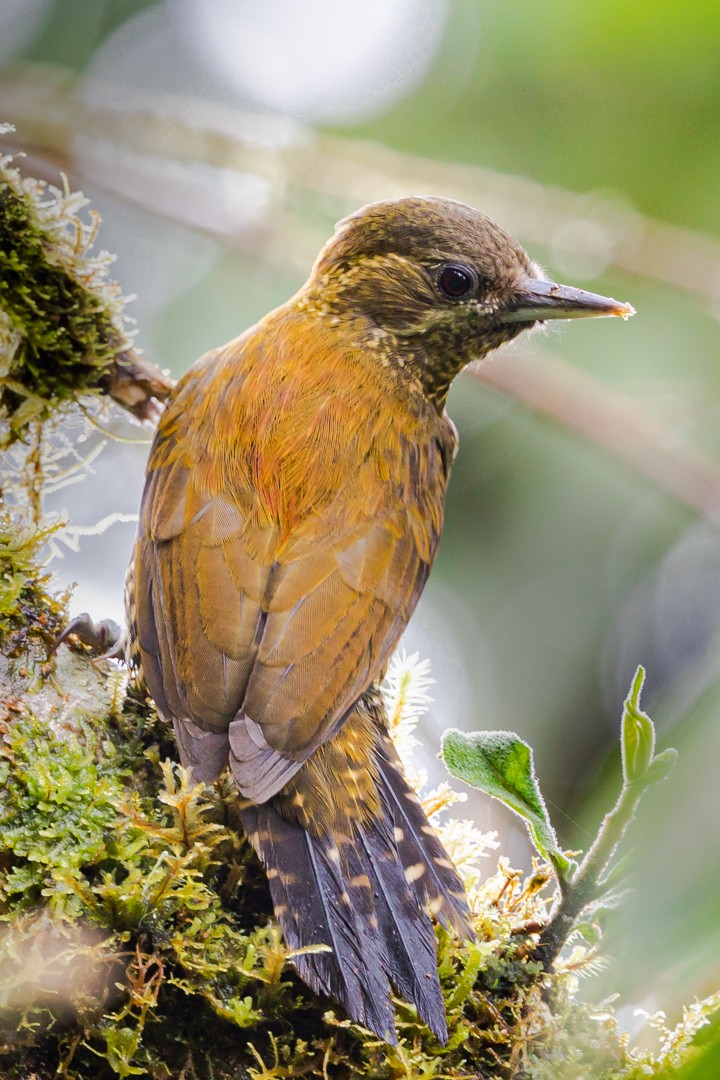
[[104, 638]]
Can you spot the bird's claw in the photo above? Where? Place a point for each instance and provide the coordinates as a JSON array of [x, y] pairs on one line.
[[104, 638]]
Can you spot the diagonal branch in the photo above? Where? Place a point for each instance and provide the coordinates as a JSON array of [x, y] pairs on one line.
[[560, 392]]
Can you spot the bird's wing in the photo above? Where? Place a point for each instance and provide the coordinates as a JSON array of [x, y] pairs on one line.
[[270, 650], [333, 619]]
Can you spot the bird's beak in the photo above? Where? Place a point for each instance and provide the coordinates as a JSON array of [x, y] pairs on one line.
[[536, 301]]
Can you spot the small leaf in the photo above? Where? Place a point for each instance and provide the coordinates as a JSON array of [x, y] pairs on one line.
[[238, 1011], [122, 1044], [661, 766], [501, 764], [590, 931], [638, 733], [615, 873], [476, 953]]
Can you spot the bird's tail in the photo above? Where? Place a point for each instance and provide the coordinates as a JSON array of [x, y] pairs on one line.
[[369, 897]]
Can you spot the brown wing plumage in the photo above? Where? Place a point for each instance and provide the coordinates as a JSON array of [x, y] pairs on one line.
[[261, 622]]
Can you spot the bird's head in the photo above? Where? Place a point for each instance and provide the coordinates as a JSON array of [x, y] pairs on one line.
[[440, 284]]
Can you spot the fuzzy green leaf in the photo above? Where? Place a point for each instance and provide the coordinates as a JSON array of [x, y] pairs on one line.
[[501, 764], [661, 766]]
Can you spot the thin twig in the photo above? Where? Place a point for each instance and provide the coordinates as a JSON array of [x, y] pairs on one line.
[[585, 886]]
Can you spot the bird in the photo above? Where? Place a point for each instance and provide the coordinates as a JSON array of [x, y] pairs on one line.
[[292, 510]]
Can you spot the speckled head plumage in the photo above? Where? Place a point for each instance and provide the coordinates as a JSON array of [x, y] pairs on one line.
[[442, 281], [425, 229]]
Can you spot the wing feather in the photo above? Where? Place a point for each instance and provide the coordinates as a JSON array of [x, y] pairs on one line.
[[266, 638]]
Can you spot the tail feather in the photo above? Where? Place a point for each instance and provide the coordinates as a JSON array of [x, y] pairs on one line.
[[427, 868], [368, 897], [356, 956], [407, 935], [316, 905]]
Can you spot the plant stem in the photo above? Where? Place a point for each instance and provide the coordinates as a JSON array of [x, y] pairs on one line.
[[587, 884]]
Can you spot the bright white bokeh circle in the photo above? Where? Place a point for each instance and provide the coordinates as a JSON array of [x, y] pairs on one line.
[[316, 60]]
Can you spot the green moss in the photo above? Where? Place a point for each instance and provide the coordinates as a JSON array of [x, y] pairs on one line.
[[30, 616], [139, 939], [60, 318]]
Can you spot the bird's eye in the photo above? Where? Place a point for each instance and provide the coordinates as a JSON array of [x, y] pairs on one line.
[[456, 282]]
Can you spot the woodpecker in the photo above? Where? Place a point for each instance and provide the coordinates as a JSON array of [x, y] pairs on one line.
[[292, 511]]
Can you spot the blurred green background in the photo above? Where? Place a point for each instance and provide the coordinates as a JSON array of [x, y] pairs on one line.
[[561, 567]]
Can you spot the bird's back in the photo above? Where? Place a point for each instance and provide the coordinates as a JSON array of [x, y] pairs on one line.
[[291, 514]]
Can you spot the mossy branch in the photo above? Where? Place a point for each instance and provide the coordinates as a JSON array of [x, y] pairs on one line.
[[63, 329]]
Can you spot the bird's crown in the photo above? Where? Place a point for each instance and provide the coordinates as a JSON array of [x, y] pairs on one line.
[[427, 230]]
